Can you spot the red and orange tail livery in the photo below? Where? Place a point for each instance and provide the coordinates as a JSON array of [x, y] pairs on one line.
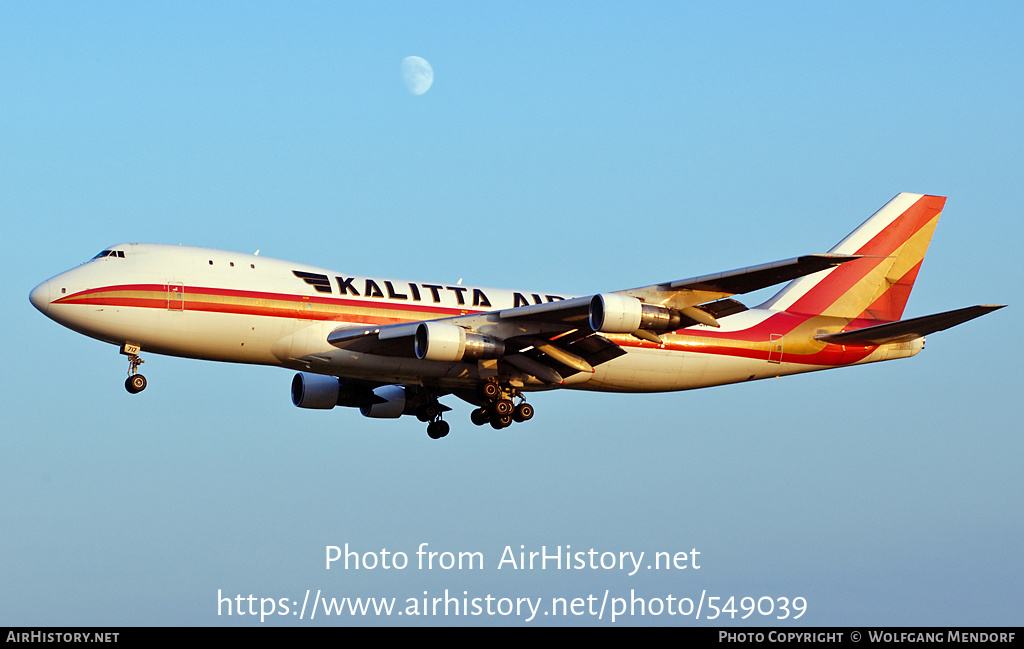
[[891, 244]]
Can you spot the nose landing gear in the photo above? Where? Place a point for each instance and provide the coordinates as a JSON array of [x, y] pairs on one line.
[[135, 382]]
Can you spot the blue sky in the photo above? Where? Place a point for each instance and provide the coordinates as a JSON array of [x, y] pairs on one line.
[[573, 148]]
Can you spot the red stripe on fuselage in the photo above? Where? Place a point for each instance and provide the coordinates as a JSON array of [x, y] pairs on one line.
[[746, 343], [156, 296]]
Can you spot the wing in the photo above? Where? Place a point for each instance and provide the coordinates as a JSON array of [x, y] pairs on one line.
[[557, 339]]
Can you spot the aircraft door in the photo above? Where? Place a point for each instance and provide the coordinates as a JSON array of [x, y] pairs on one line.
[[175, 297], [775, 348]]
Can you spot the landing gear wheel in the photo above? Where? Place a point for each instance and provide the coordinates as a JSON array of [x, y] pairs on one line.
[[498, 407], [501, 421], [480, 416], [490, 391], [437, 429], [503, 407], [135, 383], [523, 412]]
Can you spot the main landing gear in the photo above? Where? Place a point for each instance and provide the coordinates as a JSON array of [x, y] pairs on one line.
[[502, 405], [135, 382], [500, 411]]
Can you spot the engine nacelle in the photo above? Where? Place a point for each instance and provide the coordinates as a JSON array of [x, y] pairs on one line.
[[443, 341], [315, 391], [325, 392], [392, 406], [612, 313]]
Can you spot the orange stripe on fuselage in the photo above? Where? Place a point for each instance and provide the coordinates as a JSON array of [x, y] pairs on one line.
[[752, 342], [302, 307]]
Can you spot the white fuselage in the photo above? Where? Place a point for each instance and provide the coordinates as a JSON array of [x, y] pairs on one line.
[[223, 306]]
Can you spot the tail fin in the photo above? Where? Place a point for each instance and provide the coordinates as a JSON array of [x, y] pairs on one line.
[[893, 242]]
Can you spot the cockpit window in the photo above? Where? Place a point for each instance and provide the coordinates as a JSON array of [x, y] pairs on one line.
[[110, 253]]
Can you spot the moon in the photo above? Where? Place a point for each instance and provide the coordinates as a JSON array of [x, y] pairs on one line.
[[417, 74]]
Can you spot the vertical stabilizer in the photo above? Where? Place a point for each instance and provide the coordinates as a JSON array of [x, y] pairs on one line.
[[893, 242]]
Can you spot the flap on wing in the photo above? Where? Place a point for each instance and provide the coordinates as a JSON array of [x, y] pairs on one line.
[[566, 354], [907, 330], [722, 308]]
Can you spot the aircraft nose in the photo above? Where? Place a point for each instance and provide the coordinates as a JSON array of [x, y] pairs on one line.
[[40, 296]]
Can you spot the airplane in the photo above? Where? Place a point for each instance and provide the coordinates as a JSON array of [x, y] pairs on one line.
[[393, 348]]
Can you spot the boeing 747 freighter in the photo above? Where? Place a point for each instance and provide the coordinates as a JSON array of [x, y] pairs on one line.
[[394, 347]]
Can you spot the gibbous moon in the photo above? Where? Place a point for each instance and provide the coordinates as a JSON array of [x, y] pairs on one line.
[[417, 74]]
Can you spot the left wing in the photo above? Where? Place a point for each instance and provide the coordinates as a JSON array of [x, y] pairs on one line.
[[554, 340]]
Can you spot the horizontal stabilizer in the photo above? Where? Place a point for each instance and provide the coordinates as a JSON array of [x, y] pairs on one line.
[[907, 330]]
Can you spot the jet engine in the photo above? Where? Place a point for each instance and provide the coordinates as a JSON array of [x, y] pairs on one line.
[[315, 391], [443, 341], [388, 402], [325, 392], [612, 313]]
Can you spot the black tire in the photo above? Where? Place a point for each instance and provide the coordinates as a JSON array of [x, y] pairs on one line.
[[523, 412], [501, 421], [438, 429], [135, 383], [489, 391], [480, 416], [503, 407]]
